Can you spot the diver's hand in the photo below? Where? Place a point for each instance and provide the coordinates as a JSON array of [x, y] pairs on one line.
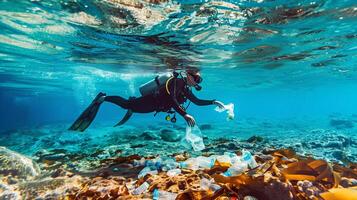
[[219, 104], [190, 120]]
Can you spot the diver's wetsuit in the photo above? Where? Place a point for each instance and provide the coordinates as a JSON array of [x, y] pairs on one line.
[[163, 100]]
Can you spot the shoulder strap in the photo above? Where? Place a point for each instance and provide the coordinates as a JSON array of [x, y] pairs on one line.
[[167, 85]]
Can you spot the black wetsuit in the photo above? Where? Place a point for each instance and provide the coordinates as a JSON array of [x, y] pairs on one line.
[[163, 100]]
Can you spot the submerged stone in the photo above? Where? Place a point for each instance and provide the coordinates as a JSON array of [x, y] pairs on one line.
[[149, 135], [169, 135], [206, 127], [15, 164], [255, 139], [341, 123]]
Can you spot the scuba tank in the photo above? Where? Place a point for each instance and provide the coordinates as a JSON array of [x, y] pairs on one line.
[[152, 86]]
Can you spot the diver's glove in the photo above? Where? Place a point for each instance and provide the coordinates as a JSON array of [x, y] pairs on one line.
[[219, 104], [190, 120]]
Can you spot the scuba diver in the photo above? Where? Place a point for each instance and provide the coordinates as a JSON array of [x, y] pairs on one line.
[[164, 93]]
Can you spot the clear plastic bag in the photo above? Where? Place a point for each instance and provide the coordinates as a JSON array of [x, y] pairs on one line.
[[230, 110], [194, 137]]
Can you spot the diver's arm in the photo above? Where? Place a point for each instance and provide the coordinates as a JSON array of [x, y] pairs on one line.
[[178, 108], [202, 102], [197, 101]]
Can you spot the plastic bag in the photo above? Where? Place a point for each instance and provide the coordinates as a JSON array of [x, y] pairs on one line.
[[230, 110], [193, 136]]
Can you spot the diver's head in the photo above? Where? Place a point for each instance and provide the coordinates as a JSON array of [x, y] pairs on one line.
[[194, 78]]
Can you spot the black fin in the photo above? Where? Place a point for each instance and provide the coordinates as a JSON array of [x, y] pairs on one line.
[[125, 118], [87, 116]]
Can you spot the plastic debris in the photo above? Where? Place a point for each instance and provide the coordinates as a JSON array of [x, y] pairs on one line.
[[163, 195], [205, 162], [169, 164], [209, 185], [236, 169], [193, 136], [140, 162], [230, 110], [189, 164], [174, 172], [247, 157], [141, 189], [147, 170]]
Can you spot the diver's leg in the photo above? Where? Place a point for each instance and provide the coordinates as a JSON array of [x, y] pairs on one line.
[[127, 116], [88, 115], [118, 100], [142, 104]]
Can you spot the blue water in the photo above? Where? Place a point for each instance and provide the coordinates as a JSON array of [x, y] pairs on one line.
[[277, 61]]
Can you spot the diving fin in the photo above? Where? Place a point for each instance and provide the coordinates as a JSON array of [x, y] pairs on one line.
[[88, 115], [125, 118]]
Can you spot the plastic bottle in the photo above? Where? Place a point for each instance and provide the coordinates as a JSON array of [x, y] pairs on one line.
[[163, 195], [141, 189], [140, 162], [209, 185], [224, 160], [236, 169], [174, 172], [233, 157], [190, 163], [169, 164], [193, 136], [249, 159], [205, 162], [147, 170]]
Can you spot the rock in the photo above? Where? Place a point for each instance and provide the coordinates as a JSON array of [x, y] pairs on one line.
[[255, 139], [341, 123], [206, 127], [314, 144], [8, 193], [334, 144], [338, 154], [169, 135], [149, 135], [51, 188], [69, 138], [348, 182], [54, 157], [15, 164]]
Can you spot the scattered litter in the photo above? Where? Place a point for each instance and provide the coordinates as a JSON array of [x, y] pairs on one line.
[[141, 189], [194, 137], [230, 110], [163, 195]]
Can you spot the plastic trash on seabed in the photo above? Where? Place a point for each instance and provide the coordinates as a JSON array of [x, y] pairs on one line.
[[249, 159], [173, 172], [209, 185], [193, 136], [169, 164], [147, 170], [236, 169], [189, 164], [230, 110], [140, 162], [233, 157], [205, 162], [141, 189], [163, 195]]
